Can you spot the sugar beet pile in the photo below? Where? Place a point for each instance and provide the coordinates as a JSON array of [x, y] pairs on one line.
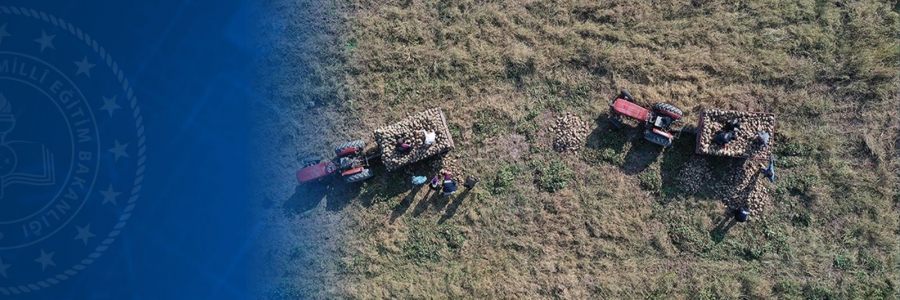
[[743, 186], [695, 174], [447, 164], [743, 144], [746, 186], [569, 133], [410, 128]]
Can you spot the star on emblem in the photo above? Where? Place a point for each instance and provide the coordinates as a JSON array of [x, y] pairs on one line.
[[108, 196], [109, 104], [85, 233], [84, 67], [3, 32], [45, 259], [45, 41], [119, 150], [3, 268]]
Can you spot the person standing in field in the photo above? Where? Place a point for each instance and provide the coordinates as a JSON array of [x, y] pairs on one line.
[[770, 171], [448, 185], [429, 137]]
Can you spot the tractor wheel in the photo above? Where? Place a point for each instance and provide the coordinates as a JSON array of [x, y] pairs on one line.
[[359, 145], [365, 174], [627, 95], [657, 138], [310, 161], [667, 109]]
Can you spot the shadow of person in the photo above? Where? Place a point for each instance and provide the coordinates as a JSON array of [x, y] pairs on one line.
[[751, 187], [451, 209], [722, 227], [430, 197], [305, 198], [404, 205], [440, 201]]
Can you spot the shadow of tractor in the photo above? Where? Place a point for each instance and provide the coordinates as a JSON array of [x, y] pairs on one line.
[[625, 147], [307, 196]]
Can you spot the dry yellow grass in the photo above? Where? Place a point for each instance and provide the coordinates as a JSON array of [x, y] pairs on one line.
[[609, 222]]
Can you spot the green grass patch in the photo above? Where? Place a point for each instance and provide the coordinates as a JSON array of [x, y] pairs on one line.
[[552, 176], [651, 180], [422, 245], [787, 288], [491, 123], [504, 180], [428, 243]]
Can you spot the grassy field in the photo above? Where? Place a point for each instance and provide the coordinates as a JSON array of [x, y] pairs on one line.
[[609, 221]]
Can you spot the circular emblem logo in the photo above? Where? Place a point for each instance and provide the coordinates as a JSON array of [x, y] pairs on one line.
[[71, 150]]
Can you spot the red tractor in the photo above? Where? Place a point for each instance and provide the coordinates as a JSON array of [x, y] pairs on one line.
[[655, 122], [351, 161]]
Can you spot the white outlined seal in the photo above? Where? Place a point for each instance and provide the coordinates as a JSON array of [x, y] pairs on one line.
[[71, 150]]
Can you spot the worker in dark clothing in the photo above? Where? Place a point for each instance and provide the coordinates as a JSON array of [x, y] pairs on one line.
[[449, 185], [742, 214], [733, 125], [770, 171], [723, 138], [470, 182], [728, 133]]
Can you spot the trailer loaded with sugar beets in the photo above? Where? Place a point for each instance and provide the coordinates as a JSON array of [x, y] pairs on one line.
[[735, 134], [408, 141]]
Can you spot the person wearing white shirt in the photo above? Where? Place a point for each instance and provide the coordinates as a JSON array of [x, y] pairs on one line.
[[429, 137]]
